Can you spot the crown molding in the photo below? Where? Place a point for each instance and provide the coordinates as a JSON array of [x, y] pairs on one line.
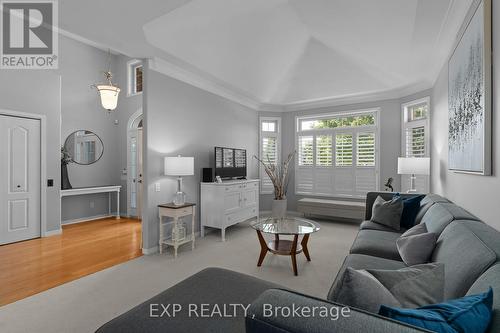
[[227, 91], [347, 99], [210, 85]]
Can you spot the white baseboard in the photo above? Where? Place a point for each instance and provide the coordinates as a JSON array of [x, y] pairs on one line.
[[151, 250], [85, 219], [289, 212], [53, 232]]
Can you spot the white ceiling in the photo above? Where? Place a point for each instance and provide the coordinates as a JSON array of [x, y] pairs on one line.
[[280, 52]]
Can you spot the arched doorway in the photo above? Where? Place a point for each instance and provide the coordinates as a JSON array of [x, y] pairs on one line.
[[134, 165]]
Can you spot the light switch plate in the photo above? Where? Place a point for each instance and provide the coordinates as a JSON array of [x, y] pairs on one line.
[[157, 187]]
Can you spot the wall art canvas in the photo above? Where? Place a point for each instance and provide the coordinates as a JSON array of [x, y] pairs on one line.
[[469, 96]]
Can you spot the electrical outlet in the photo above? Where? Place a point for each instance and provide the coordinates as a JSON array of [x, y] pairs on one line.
[[157, 187], [92, 204]]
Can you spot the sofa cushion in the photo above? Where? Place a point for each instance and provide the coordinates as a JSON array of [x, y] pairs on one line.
[[416, 245], [369, 225], [388, 212], [465, 258], [411, 207], [376, 243], [407, 287], [372, 196], [361, 261], [490, 278], [471, 314], [427, 202], [443, 213], [214, 286]]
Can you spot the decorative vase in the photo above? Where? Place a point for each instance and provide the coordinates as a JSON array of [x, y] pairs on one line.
[[279, 209], [65, 184]]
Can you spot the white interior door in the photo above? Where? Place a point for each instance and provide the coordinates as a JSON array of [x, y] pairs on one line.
[[19, 179], [135, 172], [139, 173]]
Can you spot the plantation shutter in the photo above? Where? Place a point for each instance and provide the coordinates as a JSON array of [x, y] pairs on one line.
[[306, 150], [343, 150], [324, 150], [365, 149], [269, 154], [415, 141], [269, 150]]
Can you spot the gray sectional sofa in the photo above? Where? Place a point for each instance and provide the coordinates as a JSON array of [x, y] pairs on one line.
[[469, 249]]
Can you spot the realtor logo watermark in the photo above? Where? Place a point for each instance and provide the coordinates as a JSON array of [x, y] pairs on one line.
[[29, 38]]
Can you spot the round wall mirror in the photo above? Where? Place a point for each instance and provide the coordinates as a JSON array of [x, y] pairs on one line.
[[84, 147]]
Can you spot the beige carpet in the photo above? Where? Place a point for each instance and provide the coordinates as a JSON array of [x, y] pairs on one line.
[[85, 304]]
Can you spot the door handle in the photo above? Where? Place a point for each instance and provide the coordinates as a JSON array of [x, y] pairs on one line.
[[139, 181], [18, 186]]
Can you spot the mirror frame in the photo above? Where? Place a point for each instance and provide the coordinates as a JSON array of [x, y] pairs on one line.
[[84, 130]]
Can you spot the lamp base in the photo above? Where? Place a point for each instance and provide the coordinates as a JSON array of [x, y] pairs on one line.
[[179, 198]]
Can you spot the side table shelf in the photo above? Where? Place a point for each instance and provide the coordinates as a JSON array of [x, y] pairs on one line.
[[176, 212]]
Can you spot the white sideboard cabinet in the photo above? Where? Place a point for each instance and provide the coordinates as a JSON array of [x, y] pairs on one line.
[[227, 203]]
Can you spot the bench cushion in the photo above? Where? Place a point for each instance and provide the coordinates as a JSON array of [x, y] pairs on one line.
[[209, 286], [328, 207], [377, 243]]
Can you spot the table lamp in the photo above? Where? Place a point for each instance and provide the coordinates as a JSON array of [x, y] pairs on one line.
[[179, 166], [414, 166]]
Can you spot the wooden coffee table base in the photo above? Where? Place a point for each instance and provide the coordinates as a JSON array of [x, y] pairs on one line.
[[283, 247]]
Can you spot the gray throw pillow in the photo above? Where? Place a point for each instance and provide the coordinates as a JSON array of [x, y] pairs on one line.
[[409, 287], [415, 246], [388, 213]]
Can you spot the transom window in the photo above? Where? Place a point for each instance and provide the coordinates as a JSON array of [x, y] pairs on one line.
[[134, 71], [269, 149], [337, 154], [415, 140]]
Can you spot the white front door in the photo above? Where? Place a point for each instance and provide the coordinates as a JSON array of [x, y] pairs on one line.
[[19, 179], [135, 173]]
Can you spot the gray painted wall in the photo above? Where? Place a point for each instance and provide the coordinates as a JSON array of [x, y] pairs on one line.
[[182, 119], [38, 91], [390, 141], [478, 194], [80, 66]]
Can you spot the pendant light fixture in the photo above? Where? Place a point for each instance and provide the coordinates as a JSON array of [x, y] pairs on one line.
[[108, 92]]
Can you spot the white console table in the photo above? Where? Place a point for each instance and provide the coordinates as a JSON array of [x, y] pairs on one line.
[[94, 190], [227, 203]]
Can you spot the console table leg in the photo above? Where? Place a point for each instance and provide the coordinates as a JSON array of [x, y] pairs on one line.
[[223, 234], [161, 236], [263, 248], [305, 239], [192, 228], [293, 254]]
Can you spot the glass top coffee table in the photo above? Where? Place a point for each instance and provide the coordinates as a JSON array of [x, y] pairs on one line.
[[290, 226]]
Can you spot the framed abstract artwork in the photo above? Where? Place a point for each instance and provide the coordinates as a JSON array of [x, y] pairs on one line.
[[469, 95]]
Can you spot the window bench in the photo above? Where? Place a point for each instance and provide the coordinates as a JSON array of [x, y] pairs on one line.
[[335, 208]]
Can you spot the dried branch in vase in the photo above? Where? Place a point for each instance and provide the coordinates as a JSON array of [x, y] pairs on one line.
[[278, 173]]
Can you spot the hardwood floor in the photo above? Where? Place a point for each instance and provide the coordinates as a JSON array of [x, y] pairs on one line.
[[30, 267]]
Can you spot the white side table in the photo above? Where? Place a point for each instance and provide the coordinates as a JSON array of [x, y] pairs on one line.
[[176, 212]]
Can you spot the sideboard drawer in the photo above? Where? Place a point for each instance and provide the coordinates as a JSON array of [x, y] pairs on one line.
[[240, 216]]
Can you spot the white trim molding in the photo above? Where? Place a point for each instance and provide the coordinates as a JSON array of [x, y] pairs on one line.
[[53, 232], [43, 162], [151, 250]]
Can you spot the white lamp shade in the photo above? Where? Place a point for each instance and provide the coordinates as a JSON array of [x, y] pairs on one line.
[[179, 166], [109, 96], [414, 165]]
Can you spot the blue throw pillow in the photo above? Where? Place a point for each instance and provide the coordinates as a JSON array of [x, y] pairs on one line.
[[471, 314], [411, 206]]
